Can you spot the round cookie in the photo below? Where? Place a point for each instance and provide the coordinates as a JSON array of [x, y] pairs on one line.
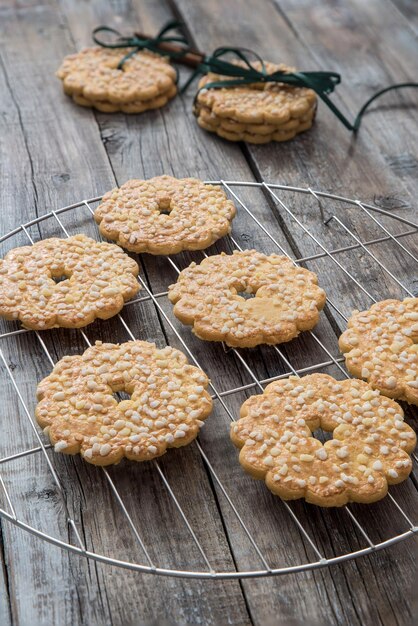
[[257, 113], [145, 80], [65, 282], [369, 450], [165, 215], [130, 107], [253, 133], [381, 346], [286, 298], [80, 414]]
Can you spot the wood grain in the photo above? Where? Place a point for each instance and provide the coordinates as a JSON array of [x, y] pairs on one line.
[[63, 153], [213, 438], [59, 148], [327, 154], [409, 10]]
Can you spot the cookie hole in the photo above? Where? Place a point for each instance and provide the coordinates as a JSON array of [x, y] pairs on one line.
[[59, 276], [121, 395], [322, 435], [164, 205], [59, 279], [245, 295]]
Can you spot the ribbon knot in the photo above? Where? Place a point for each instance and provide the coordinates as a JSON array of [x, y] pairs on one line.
[[138, 42]]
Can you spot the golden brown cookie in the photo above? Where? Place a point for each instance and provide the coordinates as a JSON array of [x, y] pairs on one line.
[[286, 298], [258, 129], [92, 78], [369, 450], [249, 137], [254, 133], [381, 346], [258, 112], [78, 409], [165, 215], [65, 282], [130, 107]]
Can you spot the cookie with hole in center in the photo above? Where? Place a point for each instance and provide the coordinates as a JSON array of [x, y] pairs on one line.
[[165, 215], [65, 282], [79, 411], [144, 81], [370, 449], [215, 298], [381, 346]]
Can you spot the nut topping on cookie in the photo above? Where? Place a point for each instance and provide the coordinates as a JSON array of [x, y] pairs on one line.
[[92, 78], [168, 402], [258, 112], [369, 450], [165, 215], [381, 346], [286, 298], [65, 282]]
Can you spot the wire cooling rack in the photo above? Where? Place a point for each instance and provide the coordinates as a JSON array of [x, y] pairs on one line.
[[311, 219]]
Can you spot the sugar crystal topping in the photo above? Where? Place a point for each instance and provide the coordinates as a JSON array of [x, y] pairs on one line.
[[94, 279], [381, 346], [78, 409], [286, 298], [165, 215], [370, 446]]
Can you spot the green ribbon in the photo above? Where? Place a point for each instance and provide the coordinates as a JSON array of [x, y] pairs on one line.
[[138, 43], [323, 83]]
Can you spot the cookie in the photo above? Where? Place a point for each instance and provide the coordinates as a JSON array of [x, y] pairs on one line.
[[210, 118], [65, 282], [78, 410], [254, 133], [370, 447], [259, 112], [260, 138], [92, 78], [286, 298], [130, 107], [165, 215], [381, 346]]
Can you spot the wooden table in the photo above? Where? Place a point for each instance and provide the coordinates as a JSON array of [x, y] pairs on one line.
[[53, 153]]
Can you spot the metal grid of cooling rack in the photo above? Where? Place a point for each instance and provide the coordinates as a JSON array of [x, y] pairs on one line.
[[271, 192]]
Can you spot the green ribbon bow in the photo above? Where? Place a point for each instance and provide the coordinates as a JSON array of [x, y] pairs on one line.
[[138, 43], [323, 83]]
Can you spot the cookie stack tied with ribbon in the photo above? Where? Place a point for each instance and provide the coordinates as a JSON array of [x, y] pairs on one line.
[[258, 102], [257, 112], [127, 74]]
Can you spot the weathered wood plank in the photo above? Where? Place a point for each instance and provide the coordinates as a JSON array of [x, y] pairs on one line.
[[21, 188], [327, 155], [162, 143], [141, 135], [61, 155], [5, 599], [409, 10]]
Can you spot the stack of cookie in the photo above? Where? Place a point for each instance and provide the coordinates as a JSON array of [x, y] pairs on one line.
[[93, 78], [256, 113]]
